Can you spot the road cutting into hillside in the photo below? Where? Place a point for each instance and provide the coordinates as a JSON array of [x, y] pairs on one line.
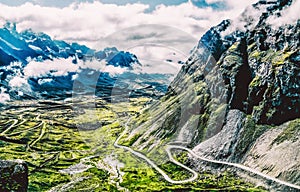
[[192, 153], [152, 164], [236, 165]]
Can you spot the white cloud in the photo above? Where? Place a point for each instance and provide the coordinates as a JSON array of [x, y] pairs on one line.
[[3, 96], [112, 70], [250, 14], [90, 22], [17, 81], [237, 7], [57, 67], [158, 60], [61, 67], [101, 66], [289, 16]]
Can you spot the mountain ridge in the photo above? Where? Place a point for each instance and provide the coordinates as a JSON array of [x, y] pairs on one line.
[[33, 66], [253, 70]]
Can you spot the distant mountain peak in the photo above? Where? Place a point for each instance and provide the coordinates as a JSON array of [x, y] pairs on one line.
[[37, 49]]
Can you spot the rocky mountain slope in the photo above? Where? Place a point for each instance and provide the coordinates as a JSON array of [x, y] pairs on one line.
[[237, 97]]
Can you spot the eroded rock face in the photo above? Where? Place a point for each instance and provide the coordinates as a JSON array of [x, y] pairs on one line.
[[222, 145], [276, 152], [273, 93], [260, 62], [13, 176]]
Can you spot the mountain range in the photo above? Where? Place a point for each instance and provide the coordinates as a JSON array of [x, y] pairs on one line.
[[34, 66]]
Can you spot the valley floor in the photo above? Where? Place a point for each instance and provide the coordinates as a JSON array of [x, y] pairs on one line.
[[73, 146]]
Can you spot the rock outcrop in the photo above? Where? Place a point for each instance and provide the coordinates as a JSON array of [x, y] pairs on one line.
[[13, 176]]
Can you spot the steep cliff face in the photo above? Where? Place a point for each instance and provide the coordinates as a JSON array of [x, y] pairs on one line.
[[241, 82]]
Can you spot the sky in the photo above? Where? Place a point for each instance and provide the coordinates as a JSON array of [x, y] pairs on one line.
[[151, 3], [89, 22], [157, 31]]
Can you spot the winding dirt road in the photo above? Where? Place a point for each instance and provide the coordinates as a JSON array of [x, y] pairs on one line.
[[195, 174], [240, 166], [151, 163]]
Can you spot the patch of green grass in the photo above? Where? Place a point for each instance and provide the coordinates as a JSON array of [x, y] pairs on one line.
[[46, 179], [256, 81], [250, 132], [175, 172], [96, 180], [149, 180], [290, 133], [128, 141], [277, 58]]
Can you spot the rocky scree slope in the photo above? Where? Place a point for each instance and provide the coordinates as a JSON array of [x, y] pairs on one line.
[[239, 86]]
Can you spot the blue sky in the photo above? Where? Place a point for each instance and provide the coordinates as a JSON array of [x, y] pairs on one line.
[[152, 3], [63, 3]]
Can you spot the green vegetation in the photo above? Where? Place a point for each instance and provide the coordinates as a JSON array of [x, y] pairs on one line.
[[130, 140], [175, 172], [291, 133], [276, 58], [71, 149], [255, 82], [251, 131], [148, 180]]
